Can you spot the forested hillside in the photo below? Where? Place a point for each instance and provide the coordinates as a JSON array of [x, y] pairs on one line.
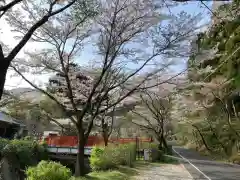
[[211, 121]]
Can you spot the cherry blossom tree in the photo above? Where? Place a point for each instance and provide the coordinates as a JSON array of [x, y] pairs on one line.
[[153, 115], [26, 17], [133, 46]]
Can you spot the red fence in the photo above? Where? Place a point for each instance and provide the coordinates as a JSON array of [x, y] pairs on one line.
[[72, 141], [130, 140]]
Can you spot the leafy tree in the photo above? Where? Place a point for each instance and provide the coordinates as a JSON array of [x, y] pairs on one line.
[[212, 110]]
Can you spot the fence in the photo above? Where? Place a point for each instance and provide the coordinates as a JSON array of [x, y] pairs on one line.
[[64, 143], [72, 141]]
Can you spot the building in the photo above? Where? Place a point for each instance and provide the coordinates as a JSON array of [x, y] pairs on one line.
[[9, 127]]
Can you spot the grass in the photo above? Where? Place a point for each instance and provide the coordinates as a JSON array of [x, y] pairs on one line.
[[105, 176], [127, 173], [122, 173], [167, 159]]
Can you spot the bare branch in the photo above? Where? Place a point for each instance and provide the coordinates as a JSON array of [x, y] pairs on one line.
[[5, 8], [30, 32]]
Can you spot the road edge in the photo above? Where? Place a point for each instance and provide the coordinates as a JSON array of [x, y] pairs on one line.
[[185, 159]]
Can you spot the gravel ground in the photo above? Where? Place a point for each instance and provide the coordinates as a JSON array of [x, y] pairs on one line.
[[163, 172]]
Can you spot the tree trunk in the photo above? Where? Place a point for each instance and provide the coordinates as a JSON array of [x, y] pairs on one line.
[[80, 164], [219, 141], [202, 137], [105, 138], [164, 142], [3, 72], [160, 143]]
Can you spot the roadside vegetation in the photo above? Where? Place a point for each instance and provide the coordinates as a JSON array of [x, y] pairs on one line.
[[210, 122], [114, 161]]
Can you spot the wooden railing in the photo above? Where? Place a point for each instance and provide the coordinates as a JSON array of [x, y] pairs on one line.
[[72, 141]]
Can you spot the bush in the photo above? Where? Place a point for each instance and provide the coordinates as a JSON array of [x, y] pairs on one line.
[[48, 171], [235, 159], [112, 156], [156, 154], [28, 138], [3, 143], [97, 160], [28, 152]]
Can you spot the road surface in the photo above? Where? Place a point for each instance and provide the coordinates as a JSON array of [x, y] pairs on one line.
[[202, 167]]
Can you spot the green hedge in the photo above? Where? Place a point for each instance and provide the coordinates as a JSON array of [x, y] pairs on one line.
[[48, 171], [28, 152], [103, 158]]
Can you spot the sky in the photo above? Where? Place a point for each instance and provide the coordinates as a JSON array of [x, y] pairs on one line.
[[7, 37]]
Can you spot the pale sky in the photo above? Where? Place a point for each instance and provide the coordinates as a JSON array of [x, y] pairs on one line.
[[7, 37]]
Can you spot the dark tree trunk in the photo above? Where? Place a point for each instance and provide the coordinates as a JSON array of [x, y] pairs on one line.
[[219, 141], [163, 140], [164, 143], [160, 147], [4, 64], [80, 164], [202, 137], [105, 138]]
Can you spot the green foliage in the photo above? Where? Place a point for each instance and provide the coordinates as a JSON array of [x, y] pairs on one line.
[[96, 160], [235, 158], [217, 134], [52, 108], [225, 36], [19, 109], [121, 173], [112, 156], [48, 171], [105, 175], [28, 152], [28, 138], [168, 160], [3, 143], [156, 155]]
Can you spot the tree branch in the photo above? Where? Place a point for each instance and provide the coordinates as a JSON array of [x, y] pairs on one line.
[[8, 6], [44, 92], [30, 32]]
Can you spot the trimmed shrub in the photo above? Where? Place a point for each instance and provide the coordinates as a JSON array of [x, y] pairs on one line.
[[48, 171], [112, 156]]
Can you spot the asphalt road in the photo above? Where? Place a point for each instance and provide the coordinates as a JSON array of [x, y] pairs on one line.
[[201, 167]]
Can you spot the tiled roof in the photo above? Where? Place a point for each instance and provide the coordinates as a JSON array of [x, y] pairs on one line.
[[8, 119]]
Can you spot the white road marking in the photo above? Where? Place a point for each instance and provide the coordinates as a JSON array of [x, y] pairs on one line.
[[192, 164]]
